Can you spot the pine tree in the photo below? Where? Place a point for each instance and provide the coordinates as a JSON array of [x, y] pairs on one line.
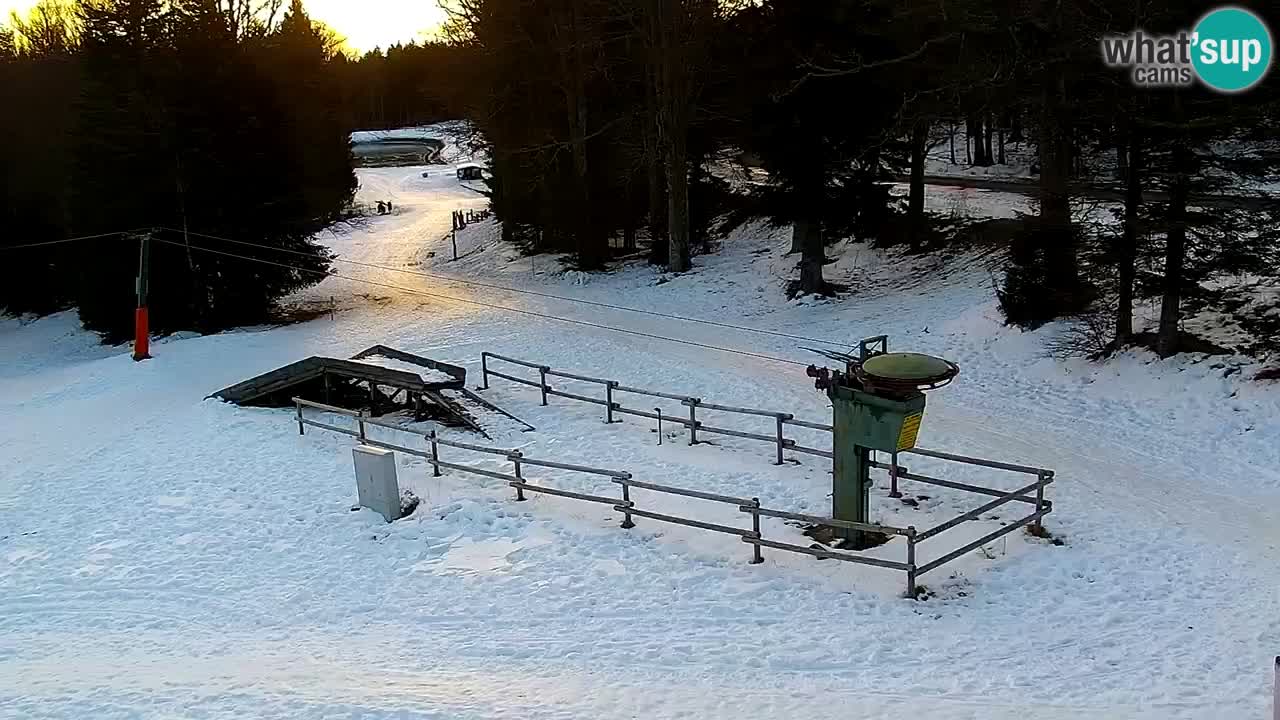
[[190, 104], [821, 133]]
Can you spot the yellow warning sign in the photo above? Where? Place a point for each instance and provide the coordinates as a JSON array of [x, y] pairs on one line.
[[910, 429]]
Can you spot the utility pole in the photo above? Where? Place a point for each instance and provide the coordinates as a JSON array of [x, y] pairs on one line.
[[141, 324]]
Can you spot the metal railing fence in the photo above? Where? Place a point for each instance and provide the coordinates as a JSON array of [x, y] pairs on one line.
[[625, 505]]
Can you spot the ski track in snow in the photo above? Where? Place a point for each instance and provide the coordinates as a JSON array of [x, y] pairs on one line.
[[166, 556]]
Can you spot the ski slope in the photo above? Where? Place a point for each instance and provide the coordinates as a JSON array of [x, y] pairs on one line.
[[166, 556]]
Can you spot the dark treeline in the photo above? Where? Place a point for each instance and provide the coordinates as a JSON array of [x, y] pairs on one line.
[[222, 117], [603, 117], [607, 122], [404, 85]]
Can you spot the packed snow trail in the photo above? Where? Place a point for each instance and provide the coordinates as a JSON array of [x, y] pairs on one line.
[[162, 555]]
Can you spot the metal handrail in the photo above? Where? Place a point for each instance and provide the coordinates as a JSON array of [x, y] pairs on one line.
[[727, 499], [831, 522], [979, 461], [626, 506], [976, 512]]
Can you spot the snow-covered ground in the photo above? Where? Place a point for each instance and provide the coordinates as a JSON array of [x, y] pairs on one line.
[[163, 555]]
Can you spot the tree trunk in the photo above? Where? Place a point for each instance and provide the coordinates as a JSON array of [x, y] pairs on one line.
[[987, 156], [667, 20], [1175, 245], [1122, 160], [1127, 252], [677, 203], [808, 234], [951, 127], [653, 156], [1000, 143], [1055, 200], [915, 195], [573, 65], [974, 126]]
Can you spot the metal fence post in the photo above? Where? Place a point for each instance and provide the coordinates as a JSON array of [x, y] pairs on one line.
[[542, 382], [626, 504], [360, 424], [782, 418], [756, 557], [893, 476], [484, 370], [435, 454], [693, 420], [1039, 525], [911, 561], [515, 459], [608, 400], [1275, 710], [659, 411], [301, 431]]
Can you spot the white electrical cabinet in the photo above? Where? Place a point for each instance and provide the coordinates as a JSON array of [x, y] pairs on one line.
[[376, 481]]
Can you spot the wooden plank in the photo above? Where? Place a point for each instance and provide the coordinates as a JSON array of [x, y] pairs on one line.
[[458, 373]]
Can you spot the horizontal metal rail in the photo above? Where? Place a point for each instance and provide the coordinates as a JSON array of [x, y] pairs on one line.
[[829, 522], [974, 513], [827, 554], [399, 448], [469, 446], [514, 379], [979, 461], [580, 398], [326, 426], [743, 411], [474, 470], [327, 408], [807, 424], [811, 451], [572, 376], [652, 393], [687, 493], [564, 493], [641, 413], [963, 486], [934, 564], [390, 426], [510, 360], [729, 530], [577, 468], [735, 433]]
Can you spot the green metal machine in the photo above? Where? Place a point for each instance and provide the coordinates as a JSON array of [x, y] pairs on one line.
[[877, 403]]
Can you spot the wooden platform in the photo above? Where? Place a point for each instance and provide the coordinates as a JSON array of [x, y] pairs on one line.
[[360, 381], [281, 381]]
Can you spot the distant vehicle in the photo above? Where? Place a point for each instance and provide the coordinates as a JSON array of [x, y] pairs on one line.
[[470, 172]]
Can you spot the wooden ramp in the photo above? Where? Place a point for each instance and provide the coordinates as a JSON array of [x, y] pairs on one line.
[[380, 378]]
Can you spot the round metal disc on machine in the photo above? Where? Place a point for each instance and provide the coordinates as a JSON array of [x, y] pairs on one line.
[[902, 371]]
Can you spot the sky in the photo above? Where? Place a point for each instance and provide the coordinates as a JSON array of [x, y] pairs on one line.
[[377, 23], [365, 24]]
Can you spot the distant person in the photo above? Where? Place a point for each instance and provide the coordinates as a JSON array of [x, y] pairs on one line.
[[382, 208]]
